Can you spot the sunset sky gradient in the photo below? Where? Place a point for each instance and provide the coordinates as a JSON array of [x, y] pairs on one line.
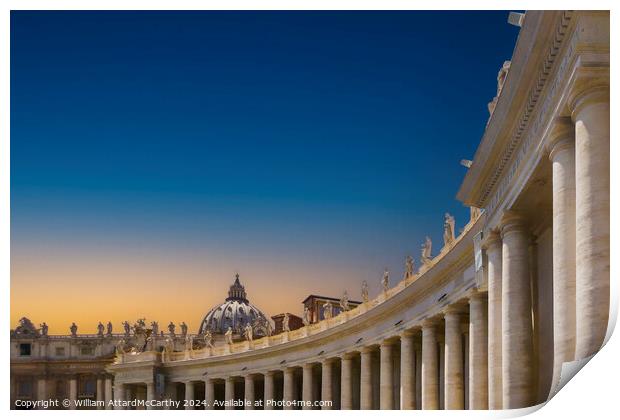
[[154, 154]]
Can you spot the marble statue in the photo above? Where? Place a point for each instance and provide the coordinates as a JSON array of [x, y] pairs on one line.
[[100, 329], [501, 79], [183, 329], [109, 328], [154, 328], [474, 213], [73, 329], [120, 347], [385, 280], [327, 310], [285, 323], [409, 267], [427, 247], [344, 301], [44, 329], [247, 332], [189, 342], [228, 335], [306, 316], [168, 346], [448, 229], [269, 328], [208, 337], [127, 328], [364, 291]]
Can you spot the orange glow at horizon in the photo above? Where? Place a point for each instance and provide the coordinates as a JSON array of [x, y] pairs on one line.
[[61, 290]]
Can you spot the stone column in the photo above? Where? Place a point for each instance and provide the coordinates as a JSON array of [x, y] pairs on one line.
[[478, 354], [326, 383], [407, 372], [493, 247], [73, 389], [99, 392], [591, 117], [430, 375], [42, 389], [119, 394], [346, 390], [150, 394], [229, 392], [289, 387], [248, 391], [269, 390], [562, 156], [517, 345], [454, 397], [386, 377], [189, 394], [209, 394], [366, 379], [307, 385], [108, 393]]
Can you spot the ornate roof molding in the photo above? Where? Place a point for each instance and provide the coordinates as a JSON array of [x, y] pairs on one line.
[[534, 61]]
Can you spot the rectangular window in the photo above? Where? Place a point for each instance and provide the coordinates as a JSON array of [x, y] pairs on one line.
[[60, 351], [24, 388], [25, 349], [87, 351], [87, 387]]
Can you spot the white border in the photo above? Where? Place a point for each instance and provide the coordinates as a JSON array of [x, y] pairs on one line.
[[592, 393]]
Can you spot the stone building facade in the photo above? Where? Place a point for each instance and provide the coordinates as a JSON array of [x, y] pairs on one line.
[[488, 321]]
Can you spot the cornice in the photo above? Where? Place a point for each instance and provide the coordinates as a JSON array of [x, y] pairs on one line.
[[535, 56]]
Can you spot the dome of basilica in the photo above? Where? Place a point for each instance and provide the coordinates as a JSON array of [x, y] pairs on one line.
[[235, 312]]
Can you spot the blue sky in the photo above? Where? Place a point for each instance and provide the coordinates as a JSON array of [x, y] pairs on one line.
[[298, 139]]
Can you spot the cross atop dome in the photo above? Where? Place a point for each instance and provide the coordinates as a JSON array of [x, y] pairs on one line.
[[237, 291]]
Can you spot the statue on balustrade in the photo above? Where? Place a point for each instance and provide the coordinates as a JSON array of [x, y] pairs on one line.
[[306, 316], [327, 310], [385, 280], [247, 332], [344, 301], [100, 329], [448, 229], [228, 335], [120, 347], [183, 329], [189, 342], [285, 323], [409, 267], [44, 329], [154, 328], [427, 247], [168, 347], [171, 328], [127, 328], [364, 291], [109, 332], [208, 337], [73, 329]]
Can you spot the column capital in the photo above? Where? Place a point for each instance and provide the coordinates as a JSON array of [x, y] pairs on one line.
[[491, 240], [347, 356], [561, 136], [587, 95], [366, 350], [386, 344], [452, 312], [477, 297], [429, 324], [407, 334], [512, 221]]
